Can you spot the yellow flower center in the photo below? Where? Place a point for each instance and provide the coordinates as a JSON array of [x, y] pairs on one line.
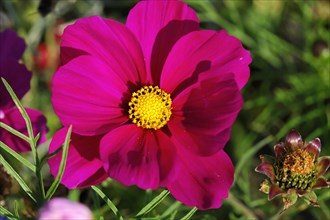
[[299, 162], [295, 170], [150, 107]]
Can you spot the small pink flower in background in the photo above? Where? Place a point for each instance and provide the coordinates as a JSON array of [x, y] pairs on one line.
[[151, 102], [296, 171], [64, 209], [18, 77]]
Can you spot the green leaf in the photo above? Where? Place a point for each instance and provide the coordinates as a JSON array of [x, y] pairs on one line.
[[48, 156], [16, 208], [250, 153], [59, 176], [14, 132], [31, 139], [5, 212], [108, 202], [18, 178], [189, 214], [17, 156], [151, 205], [25, 117]]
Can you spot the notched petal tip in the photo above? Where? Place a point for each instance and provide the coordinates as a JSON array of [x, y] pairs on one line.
[[279, 150], [314, 147], [322, 165], [293, 140], [266, 167]]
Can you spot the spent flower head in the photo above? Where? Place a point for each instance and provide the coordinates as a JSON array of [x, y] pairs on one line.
[[296, 170]]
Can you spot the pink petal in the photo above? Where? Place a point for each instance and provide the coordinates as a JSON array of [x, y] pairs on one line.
[[202, 181], [83, 165], [279, 150], [133, 155], [158, 25], [202, 55], [12, 46], [314, 147], [18, 78], [106, 40], [266, 167], [64, 209], [322, 165], [14, 119], [204, 113], [89, 96], [274, 191], [293, 140]]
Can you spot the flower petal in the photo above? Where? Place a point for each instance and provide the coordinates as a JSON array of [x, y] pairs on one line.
[[279, 150], [266, 167], [14, 119], [293, 140], [203, 114], [18, 78], [314, 147], [109, 41], [204, 54], [274, 191], [83, 166], [322, 165], [202, 181], [87, 95], [12, 46], [158, 25], [321, 183], [134, 155], [62, 208]]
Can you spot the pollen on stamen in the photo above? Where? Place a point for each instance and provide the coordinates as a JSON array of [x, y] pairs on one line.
[[150, 107]]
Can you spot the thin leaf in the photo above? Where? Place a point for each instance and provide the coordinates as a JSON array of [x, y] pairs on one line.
[[25, 117], [171, 209], [59, 176], [19, 179], [16, 208], [5, 212], [31, 140], [18, 157], [108, 202], [151, 205], [48, 156], [14, 132], [250, 153], [37, 138], [168, 214], [189, 214]]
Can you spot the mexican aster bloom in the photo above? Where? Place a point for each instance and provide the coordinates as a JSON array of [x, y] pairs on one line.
[[64, 209], [18, 77], [151, 102], [296, 170]]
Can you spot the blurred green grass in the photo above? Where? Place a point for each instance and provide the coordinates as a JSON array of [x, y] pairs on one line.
[[289, 88]]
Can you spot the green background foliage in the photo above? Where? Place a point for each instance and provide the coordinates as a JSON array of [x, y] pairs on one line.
[[289, 88]]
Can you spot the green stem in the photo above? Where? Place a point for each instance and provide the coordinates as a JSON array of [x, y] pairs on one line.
[[239, 206]]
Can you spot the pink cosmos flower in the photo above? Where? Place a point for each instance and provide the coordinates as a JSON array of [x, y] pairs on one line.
[[18, 77], [64, 209], [151, 102]]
